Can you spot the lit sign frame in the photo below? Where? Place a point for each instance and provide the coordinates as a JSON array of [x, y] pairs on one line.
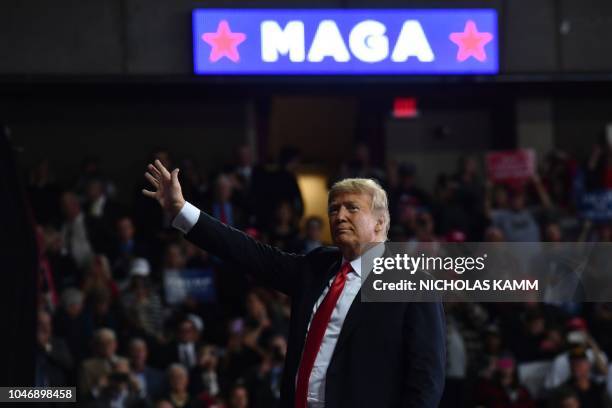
[[345, 42]]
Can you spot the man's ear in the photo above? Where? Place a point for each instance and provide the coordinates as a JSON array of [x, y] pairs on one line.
[[379, 225]]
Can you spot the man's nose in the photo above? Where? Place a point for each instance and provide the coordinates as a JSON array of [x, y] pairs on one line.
[[342, 214]]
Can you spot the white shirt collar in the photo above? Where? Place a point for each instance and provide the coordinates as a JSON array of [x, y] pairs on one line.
[[374, 252]]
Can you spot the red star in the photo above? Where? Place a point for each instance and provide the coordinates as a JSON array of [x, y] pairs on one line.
[[224, 42], [471, 42]]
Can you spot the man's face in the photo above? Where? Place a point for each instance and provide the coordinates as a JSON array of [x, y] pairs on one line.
[[138, 353], [351, 220], [95, 190], [107, 347], [187, 332], [178, 379], [70, 206], [581, 368], [125, 229], [239, 398], [207, 357], [223, 189]]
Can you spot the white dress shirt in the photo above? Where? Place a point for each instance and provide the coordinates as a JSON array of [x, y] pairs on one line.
[[76, 241], [188, 217], [187, 354]]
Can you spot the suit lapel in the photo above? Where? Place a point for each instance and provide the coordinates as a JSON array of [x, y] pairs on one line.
[[312, 297]]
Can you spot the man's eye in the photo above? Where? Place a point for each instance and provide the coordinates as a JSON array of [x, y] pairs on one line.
[[353, 209]]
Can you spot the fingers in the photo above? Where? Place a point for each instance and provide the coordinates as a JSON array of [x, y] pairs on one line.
[[174, 176], [160, 167], [153, 170], [152, 180], [148, 193]]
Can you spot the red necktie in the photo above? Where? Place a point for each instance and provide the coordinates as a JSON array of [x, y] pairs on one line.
[[315, 334]]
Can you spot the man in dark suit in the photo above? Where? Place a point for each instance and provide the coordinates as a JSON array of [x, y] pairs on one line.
[[150, 380], [54, 363], [184, 349], [341, 352]]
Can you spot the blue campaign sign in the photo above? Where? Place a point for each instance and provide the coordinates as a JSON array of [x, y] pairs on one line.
[[199, 284], [597, 205], [345, 42]]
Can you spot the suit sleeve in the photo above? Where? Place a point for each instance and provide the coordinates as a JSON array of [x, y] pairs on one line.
[[425, 355], [272, 267]]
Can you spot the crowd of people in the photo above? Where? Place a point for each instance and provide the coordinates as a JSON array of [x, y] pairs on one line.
[[135, 315]]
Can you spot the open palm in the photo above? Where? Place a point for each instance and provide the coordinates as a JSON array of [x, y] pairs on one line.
[[167, 188]]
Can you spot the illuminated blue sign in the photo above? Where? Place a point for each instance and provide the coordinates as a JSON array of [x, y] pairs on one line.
[[346, 42]]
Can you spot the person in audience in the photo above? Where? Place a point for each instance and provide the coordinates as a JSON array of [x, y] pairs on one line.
[[565, 397], [516, 223], [196, 186], [151, 381], [264, 381], [141, 304], [238, 397], [577, 336], [589, 392], [469, 194], [283, 232], [244, 166], [100, 206], [183, 349], [456, 365], [76, 231], [313, 228], [504, 390], [486, 364], [276, 185], [531, 344], [598, 169], [222, 207], [119, 389], [126, 247], [54, 362], [205, 382], [90, 169], [602, 326], [406, 192], [239, 355], [101, 311], [360, 165], [62, 266], [94, 371], [99, 277], [178, 394], [448, 213], [175, 292], [72, 324]]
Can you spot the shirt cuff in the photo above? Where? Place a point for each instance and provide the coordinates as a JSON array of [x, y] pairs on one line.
[[186, 218]]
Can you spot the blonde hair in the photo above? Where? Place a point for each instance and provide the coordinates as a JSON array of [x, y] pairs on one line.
[[380, 202]]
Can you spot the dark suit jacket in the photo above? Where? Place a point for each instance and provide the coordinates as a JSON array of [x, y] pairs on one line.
[[387, 354], [56, 366], [170, 353], [156, 382]]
